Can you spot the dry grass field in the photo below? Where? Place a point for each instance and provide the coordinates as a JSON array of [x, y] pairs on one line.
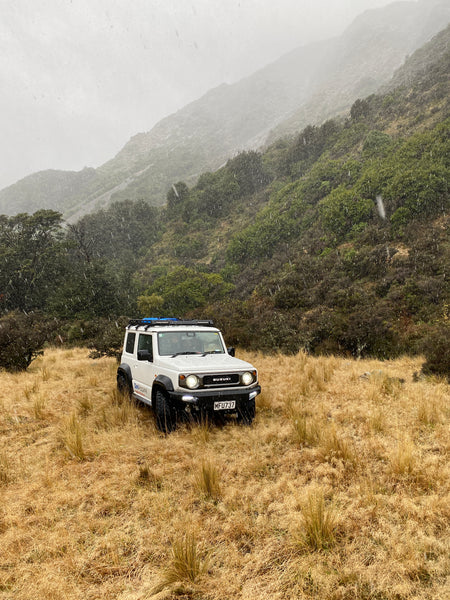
[[340, 489]]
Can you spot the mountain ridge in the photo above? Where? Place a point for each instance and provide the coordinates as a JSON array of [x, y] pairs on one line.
[[275, 101]]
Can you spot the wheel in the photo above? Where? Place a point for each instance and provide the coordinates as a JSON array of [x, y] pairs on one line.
[[247, 412], [165, 414], [123, 384]]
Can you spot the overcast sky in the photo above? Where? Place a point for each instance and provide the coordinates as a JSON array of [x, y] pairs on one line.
[[80, 77]]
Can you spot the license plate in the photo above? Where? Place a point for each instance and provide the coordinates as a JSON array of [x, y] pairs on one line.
[[225, 405]]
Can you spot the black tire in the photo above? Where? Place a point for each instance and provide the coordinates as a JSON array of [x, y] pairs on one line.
[[164, 413], [247, 412], [123, 384]]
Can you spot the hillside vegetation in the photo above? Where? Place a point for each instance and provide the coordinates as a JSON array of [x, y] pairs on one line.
[[339, 490], [334, 242]]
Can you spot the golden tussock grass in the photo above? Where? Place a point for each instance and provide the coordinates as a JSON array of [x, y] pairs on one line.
[[185, 566], [317, 530], [207, 480], [339, 490]]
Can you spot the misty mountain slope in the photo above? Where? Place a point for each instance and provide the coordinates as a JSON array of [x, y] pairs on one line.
[[307, 85], [57, 190], [203, 135], [324, 79], [416, 100], [365, 57], [427, 66], [199, 137]]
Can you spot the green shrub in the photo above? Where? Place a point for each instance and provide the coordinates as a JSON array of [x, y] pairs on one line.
[[184, 289], [108, 339], [342, 209], [436, 348], [22, 337]]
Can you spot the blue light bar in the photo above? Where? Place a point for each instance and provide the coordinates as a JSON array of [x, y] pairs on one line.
[[165, 321], [152, 319]]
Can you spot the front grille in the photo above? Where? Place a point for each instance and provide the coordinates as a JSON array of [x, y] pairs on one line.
[[221, 379]]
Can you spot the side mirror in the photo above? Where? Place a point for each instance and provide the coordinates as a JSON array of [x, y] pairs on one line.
[[144, 355], [230, 351]]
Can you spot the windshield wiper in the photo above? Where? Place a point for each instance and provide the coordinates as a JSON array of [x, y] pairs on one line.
[[181, 353]]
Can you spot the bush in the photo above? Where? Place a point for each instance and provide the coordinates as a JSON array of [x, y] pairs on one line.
[[436, 348], [108, 339], [22, 338], [342, 209]]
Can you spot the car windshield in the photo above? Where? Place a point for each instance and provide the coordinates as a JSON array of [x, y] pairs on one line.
[[189, 342]]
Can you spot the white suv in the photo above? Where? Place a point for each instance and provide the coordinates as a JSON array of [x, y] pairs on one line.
[[175, 365]]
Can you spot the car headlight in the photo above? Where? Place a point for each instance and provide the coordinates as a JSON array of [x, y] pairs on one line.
[[192, 382], [247, 378]]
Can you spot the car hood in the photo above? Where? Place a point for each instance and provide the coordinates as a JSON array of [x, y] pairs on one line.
[[197, 363]]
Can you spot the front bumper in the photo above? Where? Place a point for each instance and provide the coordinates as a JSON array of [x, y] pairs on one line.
[[204, 399]]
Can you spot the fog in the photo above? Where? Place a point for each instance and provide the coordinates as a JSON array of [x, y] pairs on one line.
[[79, 78]]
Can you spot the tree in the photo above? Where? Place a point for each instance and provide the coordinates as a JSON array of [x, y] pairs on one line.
[[247, 168], [150, 305], [123, 230], [31, 251], [87, 291], [436, 347], [360, 110], [215, 193]]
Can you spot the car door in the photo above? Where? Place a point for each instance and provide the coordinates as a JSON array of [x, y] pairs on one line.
[[143, 368]]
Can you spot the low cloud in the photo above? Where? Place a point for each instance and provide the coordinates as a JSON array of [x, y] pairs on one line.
[[79, 78]]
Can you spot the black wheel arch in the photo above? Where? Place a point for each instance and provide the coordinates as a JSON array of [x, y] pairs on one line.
[[163, 383], [126, 370]]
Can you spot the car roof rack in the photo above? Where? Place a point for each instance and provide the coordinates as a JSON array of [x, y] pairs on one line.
[[167, 321]]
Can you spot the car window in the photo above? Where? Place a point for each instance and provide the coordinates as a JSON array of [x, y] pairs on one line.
[[145, 342], [129, 347], [174, 342]]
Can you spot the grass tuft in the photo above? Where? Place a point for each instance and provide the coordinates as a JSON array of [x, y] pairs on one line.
[[318, 529], [5, 469], [201, 431], [38, 407], [334, 446], [264, 402], [428, 412], [382, 386], [306, 429], [84, 404], [122, 414], [403, 460], [377, 421], [71, 436], [30, 390], [207, 481], [187, 564], [147, 478]]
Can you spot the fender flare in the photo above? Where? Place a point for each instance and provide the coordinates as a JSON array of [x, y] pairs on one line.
[[126, 369], [164, 382]]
